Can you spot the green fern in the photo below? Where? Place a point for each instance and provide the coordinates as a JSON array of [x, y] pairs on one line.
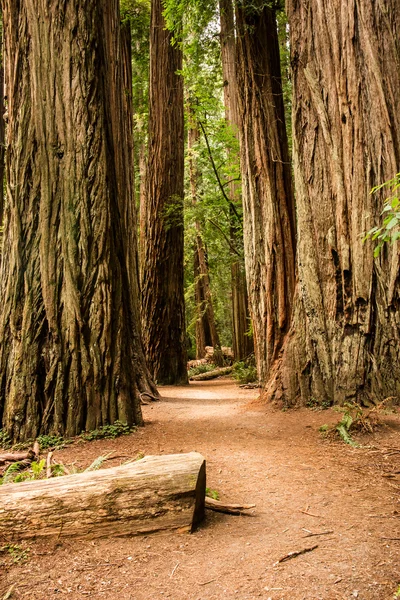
[[96, 464], [11, 472]]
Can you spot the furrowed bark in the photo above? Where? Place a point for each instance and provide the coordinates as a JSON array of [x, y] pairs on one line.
[[2, 123], [269, 222], [242, 343], [163, 314], [70, 357], [344, 340]]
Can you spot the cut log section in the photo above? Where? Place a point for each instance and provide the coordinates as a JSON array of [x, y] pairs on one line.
[[153, 494]]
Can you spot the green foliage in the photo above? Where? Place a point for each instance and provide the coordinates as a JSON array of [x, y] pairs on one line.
[[97, 463], [356, 418], [17, 553], [397, 593], [204, 368], [389, 231], [15, 474], [108, 432], [53, 442], [5, 440], [245, 371], [212, 494], [314, 404]]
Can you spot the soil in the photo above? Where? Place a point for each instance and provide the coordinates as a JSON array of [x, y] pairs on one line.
[[308, 492]]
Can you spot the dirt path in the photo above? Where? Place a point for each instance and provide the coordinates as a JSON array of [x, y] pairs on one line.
[[300, 484]]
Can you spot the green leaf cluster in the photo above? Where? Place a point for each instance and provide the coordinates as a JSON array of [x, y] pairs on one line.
[[389, 231]]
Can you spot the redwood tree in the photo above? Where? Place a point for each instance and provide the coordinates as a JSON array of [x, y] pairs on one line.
[[268, 204], [163, 314], [344, 343], [70, 355], [242, 343]]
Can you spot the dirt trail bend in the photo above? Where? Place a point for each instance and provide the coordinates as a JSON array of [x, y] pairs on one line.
[[307, 493]]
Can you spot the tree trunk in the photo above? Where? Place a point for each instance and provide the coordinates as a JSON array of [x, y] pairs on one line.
[[344, 342], [242, 342], [269, 223], [2, 123], [154, 494], [70, 357], [206, 331], [163, 314]]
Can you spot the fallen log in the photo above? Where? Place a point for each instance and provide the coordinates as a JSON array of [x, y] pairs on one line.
[[212, 374], [230, 509], [10, 457], [153, 494]]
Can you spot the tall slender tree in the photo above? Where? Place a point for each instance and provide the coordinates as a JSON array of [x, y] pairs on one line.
[[70, 357], [344, 342], [2, 123], [206, 330], [242, 343], [268, 203], [163, 314]]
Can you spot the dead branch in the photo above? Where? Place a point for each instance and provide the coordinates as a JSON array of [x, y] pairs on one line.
[[320, 533], [295, 554], [230, 509], [16, 457]]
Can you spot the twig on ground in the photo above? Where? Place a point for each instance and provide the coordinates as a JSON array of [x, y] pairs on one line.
[[305, 512], [174, 569], [320, 533], [209, 581], [295, 554], [7, 595]]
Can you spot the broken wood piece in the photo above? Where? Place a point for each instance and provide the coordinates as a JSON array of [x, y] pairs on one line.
[[230, 509], [10, 457], [48, 465], [212, 374], [294, 554], [153, 494]]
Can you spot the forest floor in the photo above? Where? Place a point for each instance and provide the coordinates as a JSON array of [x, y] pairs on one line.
[[308, 492]]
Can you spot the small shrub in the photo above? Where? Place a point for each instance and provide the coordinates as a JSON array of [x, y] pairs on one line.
[[108, 432], [245, 372], [53, 442], [17, 553], [204, 368], [5, 441], [212, 494], [355, 418], [314, 404]]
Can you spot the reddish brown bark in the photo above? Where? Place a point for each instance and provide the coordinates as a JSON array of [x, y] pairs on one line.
[[269, 229], [344, 341], [70, 357], [163, 314], [242, 343], [2, 124]]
